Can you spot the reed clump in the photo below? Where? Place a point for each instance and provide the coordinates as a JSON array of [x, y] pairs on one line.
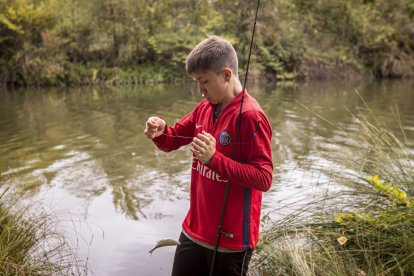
[[31, 241], [364, 228]]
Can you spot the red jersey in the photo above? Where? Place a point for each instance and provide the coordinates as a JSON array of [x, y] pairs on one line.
[[249, 173]]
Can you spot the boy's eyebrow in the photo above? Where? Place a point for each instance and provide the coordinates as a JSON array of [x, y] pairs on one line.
[[197, 79]]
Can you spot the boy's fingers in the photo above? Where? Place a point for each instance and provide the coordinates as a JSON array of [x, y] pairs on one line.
[[149, 135], [207, 136], [200, 143], [153, 121], [203, 137], [211, 137], [194, 151], [197, 147], [151, 124], [153, 127]]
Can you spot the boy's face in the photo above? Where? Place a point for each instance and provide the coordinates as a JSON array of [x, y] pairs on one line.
[[213, 85]]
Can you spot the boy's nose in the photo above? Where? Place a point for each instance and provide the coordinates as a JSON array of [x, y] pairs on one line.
[[203, 91]]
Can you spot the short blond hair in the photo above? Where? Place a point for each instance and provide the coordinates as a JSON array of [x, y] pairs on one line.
[[213, 53]]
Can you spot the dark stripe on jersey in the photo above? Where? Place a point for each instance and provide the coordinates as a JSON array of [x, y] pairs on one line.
[[246, 219]]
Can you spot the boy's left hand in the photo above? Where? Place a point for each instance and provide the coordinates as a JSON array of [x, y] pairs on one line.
[[204, 147]]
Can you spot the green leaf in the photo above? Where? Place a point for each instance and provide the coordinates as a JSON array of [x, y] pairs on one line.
[[10, 25]]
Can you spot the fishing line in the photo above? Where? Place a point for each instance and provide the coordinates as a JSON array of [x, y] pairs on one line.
[[192, 137], [227, 191]]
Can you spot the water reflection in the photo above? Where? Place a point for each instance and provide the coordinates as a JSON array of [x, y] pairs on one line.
[[86, 141], [87, 146]]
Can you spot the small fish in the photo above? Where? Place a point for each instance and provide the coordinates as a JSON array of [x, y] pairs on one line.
[[164, 242]]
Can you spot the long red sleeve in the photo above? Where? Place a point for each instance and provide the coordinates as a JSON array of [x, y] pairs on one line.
[[177, 136], [255, 169]]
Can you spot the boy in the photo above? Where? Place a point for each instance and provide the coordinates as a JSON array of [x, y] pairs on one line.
[[211, 130]]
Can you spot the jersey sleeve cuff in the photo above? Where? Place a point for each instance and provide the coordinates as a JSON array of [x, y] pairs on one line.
[[214, 162], [161, 139]]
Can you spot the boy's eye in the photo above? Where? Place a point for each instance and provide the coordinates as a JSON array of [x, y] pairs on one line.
[[206, 81]]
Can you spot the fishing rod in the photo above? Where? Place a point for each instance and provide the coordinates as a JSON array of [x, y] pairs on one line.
[[227, 191]]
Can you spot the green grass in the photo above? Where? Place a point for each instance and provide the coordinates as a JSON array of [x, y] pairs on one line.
[[31, 241], [76, 74], [366, 228]]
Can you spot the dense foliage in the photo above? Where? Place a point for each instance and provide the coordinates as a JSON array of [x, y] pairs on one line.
[[124, 41]]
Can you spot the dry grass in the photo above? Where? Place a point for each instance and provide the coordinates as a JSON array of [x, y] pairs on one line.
[[367, 228], [32, 242]]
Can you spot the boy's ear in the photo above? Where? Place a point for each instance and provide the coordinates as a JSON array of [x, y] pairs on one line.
[[227, 73]]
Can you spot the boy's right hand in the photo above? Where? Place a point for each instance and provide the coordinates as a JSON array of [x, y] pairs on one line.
[[154, 127]]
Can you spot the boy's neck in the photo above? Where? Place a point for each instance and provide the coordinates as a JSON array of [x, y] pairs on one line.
[[235, 89]]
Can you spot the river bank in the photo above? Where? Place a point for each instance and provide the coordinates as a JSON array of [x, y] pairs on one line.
[[123, 42], [72, 75]]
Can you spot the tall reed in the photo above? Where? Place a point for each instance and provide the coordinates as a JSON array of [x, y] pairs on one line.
[[31, 240], [364, 228]]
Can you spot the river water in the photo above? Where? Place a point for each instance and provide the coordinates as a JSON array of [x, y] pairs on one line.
[[82, 154]]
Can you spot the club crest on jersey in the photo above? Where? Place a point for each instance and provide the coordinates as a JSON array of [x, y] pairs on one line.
[[224, 138]]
